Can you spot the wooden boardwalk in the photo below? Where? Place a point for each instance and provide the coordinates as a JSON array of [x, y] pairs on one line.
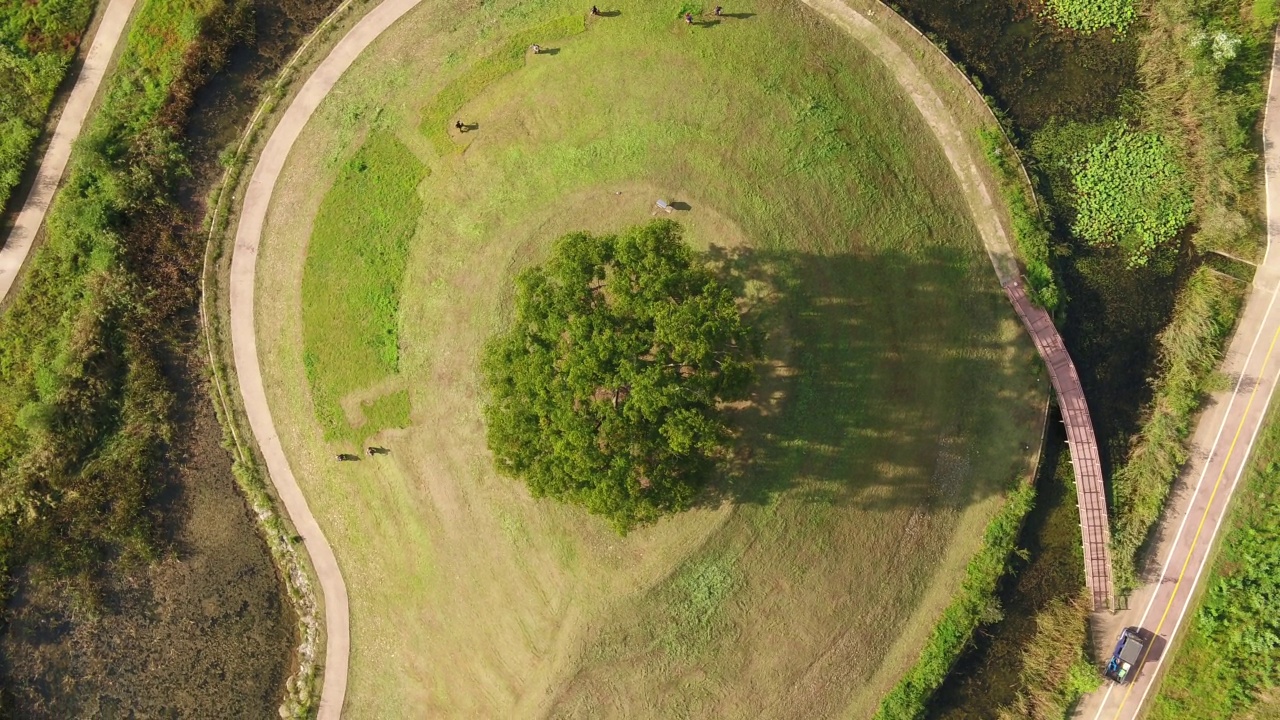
[[1095, 528]]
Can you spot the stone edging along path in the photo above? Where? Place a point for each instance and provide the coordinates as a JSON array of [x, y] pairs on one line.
[[16, 248], [257, 201]]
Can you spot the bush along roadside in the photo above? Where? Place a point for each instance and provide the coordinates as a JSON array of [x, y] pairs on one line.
[[972, 606], [1190, 347], [37, 43]]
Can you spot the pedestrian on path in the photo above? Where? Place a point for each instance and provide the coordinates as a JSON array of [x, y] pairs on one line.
[[595, 11], [719, 11], [460, 127]]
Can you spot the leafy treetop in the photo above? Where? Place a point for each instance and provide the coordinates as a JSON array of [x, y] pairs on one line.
[[604, 392], [1131, 192]]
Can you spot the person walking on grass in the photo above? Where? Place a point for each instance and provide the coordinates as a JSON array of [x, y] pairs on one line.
[[719, 11], [595, 11], [460, 127], [688, 18]]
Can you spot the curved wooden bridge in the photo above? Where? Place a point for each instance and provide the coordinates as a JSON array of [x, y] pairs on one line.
[[1095, 529]]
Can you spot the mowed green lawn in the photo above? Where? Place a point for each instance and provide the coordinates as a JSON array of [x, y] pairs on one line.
[[898, 400]]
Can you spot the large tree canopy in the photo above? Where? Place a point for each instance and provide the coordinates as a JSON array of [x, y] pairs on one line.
[[604, 391]]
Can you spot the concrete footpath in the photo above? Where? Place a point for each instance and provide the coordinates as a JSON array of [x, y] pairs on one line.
[[17, 246], [1220, 448], [244, 341]]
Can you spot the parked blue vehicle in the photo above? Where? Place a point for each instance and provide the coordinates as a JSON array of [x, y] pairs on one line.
[[1125, 658]]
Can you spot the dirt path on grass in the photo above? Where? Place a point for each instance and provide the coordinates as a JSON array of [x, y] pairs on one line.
[[17, 246], [1220, 448], [245, 342]]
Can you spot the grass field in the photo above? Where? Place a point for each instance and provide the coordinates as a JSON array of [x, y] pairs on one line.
[[899, 400]]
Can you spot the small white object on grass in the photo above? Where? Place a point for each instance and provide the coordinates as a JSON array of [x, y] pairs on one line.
[[664, 206]]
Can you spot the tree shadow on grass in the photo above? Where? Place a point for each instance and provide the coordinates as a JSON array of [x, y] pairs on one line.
[[876, 382]]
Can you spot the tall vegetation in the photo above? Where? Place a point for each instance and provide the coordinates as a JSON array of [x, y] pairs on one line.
[[37, 42], [1190, 348], [604, 392], [1204, 65], [85, 408]]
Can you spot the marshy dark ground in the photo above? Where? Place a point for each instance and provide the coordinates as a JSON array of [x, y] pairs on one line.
[[205, 631]]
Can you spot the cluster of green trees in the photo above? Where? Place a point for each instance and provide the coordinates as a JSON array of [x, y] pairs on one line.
[[37, 42], [85, 407], [605, 389]]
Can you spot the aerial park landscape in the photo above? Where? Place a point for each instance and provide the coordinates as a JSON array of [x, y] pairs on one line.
[[811, 358]]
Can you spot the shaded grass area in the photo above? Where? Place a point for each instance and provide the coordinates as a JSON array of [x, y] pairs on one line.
[[1227, 663], [1029, 662], [352, 283], [900, 405], [38, 40]]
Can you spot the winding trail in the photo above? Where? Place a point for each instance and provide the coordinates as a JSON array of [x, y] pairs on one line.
[[18, 245], [1220, 449], [1095, 528], [244, 341], [952, 139]]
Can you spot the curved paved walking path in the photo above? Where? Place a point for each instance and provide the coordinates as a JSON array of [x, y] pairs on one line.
[[245, 342], [1095, 528], [21, 239], [1220, 449]]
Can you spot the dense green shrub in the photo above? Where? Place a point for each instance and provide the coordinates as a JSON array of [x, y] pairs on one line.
[[1204, 65], [84, 405], [37, 42], [1131, 192], [1190, 347], [968, 610], [1090, 16], [605, 391]]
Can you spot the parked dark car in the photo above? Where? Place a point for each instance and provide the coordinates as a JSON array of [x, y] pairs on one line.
[[1125, 658]]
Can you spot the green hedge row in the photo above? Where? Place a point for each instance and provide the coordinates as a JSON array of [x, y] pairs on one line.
[[1031, 235]]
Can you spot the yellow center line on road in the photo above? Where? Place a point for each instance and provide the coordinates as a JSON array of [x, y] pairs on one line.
[[1200, 527]]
